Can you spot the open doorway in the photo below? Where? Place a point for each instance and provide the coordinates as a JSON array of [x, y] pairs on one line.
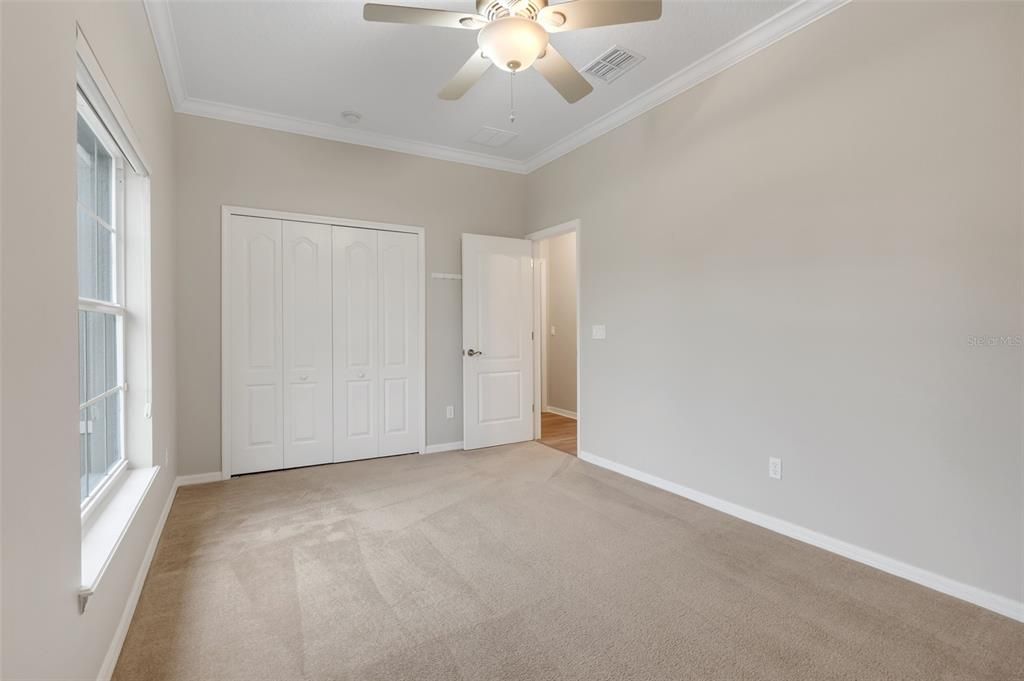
[[556, 317]]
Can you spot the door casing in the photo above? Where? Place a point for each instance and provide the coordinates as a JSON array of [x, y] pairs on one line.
[[536, 237]]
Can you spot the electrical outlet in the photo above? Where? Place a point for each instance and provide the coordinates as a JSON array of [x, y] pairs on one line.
[[774, 468], [449, 411], [598, 332], [553, 331]]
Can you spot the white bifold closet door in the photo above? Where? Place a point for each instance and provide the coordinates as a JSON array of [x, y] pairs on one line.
[[308, 427], [255, 344], [400, 410], [377, 410], [324, 355], [356, 375]]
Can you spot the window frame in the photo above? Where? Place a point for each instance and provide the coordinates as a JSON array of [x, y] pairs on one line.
[[117, 308], [106, 519]]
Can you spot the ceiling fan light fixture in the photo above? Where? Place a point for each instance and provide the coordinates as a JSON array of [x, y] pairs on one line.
[[513, 43], [555, 19]]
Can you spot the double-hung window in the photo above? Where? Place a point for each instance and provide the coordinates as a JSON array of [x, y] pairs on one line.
[[112, 230], [101, 303]]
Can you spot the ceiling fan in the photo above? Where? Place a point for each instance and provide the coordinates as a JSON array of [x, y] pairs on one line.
[[514, 35]]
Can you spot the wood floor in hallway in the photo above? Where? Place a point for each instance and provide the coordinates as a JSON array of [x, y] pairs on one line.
[[558, 432]]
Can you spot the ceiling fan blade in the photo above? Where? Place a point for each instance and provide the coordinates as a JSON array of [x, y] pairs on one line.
[[422, 17], [562, 76], [467, 76], [569, 16]]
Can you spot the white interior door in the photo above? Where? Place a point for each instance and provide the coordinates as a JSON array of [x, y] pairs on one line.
[[497, 323], [308, 421], [255, 345], [400, 413], [356, 348]]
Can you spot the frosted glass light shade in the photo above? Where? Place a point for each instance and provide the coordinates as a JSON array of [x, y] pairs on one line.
[[513, 43]]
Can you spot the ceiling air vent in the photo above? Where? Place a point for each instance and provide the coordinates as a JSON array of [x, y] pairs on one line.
[[493, 137], [613, 64]]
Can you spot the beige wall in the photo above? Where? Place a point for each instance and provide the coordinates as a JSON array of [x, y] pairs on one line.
[[793, 267], [561, 307], [225, 163], [44, 637], [791, 259]]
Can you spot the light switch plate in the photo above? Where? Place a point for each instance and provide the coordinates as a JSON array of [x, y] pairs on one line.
[[597, 332]]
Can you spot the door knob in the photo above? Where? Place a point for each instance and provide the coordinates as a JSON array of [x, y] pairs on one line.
[[303, 378], [362, 374], [473, 353]]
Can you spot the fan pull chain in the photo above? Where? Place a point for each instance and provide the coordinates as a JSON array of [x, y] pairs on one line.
[[512, 97]]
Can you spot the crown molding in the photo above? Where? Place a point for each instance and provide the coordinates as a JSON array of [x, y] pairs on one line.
[[162, 26], [262, 119], [769, 32]]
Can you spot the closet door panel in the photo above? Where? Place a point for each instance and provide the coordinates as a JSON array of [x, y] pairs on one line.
[[400, 411], [307, 290], [356, 344], [255, 345]]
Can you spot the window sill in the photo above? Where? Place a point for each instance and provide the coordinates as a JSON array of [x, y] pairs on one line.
[[98, 499], [107, 526]]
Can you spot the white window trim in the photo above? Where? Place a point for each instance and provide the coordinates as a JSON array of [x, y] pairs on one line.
[[108, 512], [92, 305], [93, 503], [87, 110], [97, 90]]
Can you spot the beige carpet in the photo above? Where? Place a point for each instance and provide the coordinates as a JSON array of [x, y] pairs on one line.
[[522, 563]]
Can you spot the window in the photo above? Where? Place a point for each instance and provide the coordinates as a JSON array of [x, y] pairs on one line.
[[116, 463], [101, 303]]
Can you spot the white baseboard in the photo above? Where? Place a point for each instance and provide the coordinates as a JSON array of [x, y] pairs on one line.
[[561, 412], [114, 651], [986, 599], [443, 447], [198, 479], [110, 660]]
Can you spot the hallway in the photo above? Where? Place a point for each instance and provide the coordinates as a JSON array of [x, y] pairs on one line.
[[558, 432]]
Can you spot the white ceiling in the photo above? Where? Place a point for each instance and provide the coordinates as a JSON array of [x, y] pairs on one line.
[[296, 65]]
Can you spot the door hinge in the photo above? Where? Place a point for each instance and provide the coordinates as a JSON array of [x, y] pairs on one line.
[[533, 407], [531, 335]]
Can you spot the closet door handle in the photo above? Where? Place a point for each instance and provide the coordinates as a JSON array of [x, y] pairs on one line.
[[303, 378], [473, 353]]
